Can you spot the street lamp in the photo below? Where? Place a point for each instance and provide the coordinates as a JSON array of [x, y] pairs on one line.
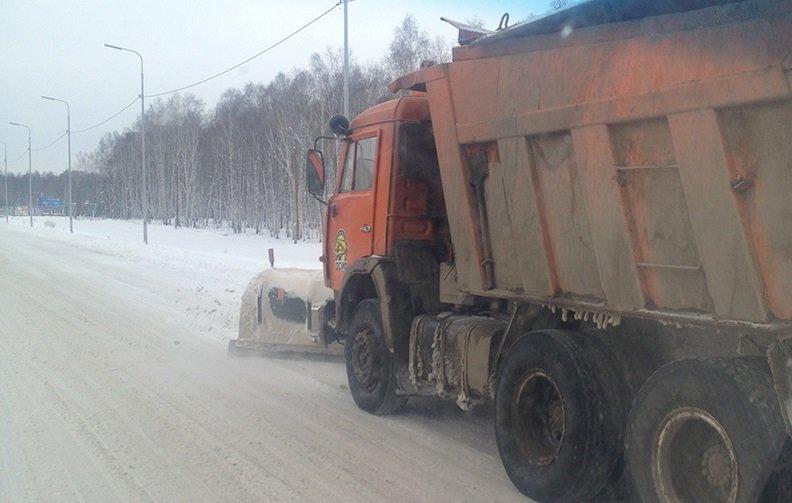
[[68, 130], [30, 173], [142, 138], [5, 177], [346, 58]]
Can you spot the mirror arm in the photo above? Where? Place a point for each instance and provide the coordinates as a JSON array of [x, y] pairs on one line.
[[316, 141], [320, 200], [332, 138]]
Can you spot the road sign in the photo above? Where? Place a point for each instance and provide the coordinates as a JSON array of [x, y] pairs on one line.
[[48, 203]]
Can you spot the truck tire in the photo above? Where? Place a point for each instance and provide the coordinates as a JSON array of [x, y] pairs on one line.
[[369, 362], [779, 488], [560, 414], [705, 430]]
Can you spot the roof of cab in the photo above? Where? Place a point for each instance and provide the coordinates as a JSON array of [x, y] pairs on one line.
[[414, 107]]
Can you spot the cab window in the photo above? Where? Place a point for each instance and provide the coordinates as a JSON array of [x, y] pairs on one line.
[[365, 164], [346, 176]]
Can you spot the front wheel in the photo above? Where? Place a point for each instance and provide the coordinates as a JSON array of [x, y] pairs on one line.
[[369, 363]]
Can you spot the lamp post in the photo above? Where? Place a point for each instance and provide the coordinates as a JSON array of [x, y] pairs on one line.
[[69, 177], [30, 173], [142, 139], [346, 59], [5, 177]]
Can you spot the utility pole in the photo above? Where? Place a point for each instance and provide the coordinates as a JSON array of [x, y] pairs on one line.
[[30, 172], [143, 154], [176, 193], [5, 177], [69, 183], [143, 202], [346, 58]]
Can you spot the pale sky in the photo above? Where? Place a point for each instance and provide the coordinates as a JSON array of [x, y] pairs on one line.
[[56, 48]]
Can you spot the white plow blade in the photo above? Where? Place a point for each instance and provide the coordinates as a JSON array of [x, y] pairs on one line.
[[281, 311]]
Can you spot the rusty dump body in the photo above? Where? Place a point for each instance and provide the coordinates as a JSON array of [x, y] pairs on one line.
[[639, 168]]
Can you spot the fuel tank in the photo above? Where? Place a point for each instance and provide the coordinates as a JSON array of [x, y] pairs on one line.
[[450, 356]]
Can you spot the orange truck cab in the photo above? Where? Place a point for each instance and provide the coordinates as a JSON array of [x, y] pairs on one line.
[[387, 187]]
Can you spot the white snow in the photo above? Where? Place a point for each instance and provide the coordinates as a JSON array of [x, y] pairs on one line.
[[166, 241], [110, 389], [202, 272]]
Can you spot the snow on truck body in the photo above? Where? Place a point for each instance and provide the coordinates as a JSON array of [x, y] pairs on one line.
[[586, 219]]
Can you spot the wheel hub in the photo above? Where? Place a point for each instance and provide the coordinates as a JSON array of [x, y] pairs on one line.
[[537, 413], [715, 466], [693, 459], [364, 361]]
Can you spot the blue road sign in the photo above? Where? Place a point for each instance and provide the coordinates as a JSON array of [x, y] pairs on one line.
[[49, 203]]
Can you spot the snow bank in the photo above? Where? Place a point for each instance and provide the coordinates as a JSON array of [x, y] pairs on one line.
[[201, 273], [166, 241]]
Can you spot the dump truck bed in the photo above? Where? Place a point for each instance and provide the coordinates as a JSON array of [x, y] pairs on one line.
[[636, 168]]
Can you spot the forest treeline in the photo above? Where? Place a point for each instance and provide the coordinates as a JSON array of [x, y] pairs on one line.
[[242, 162]]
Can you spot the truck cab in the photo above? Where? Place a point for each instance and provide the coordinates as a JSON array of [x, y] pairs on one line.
[[387, 191]]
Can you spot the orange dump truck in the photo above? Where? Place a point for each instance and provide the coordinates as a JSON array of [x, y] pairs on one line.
[[586, 219]]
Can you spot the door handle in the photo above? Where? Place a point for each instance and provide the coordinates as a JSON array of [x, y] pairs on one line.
[[366, 228]]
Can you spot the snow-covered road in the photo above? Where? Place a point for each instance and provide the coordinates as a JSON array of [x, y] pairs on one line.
[[112, 387]]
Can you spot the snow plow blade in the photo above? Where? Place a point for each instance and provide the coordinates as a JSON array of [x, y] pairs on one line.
[[285, 310]]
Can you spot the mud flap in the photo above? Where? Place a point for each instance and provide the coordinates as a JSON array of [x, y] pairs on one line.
[[779, 356]]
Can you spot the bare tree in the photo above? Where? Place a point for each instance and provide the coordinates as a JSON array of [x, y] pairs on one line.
[[241, 164], [411, 46]]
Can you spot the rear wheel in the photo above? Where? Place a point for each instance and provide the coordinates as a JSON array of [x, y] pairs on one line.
[[560, 414], [369, 363], [705, 430]]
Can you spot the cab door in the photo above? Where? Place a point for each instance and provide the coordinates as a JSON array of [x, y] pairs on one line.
[[351, 212]]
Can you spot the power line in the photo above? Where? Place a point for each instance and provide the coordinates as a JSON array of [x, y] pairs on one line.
[[56, 140], [20, 156], [266, 50], [77, 131], [276, 44], [59, 138], [45, 147]]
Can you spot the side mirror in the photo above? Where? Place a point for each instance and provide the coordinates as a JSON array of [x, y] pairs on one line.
[[339, 125], [315, 173]]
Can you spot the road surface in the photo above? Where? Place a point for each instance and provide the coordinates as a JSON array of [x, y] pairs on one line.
[[108, 392]]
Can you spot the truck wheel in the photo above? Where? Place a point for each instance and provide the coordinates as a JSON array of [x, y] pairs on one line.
[[705, 430], [560, 414], [369, 363]]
